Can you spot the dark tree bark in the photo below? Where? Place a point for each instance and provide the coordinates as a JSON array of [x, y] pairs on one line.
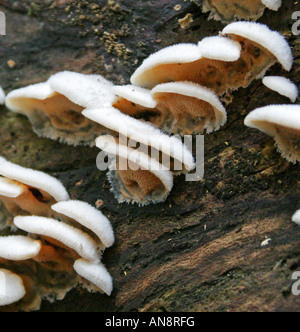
[[201, 249]]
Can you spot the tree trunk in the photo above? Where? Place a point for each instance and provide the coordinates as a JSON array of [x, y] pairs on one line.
[[201, 249]]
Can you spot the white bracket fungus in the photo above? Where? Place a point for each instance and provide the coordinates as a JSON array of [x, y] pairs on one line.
[[230, 10], [130, 94], [97, 274], [272, 4], [177, 108], [260, 36], [282, 122], [35, 179], [283, 86], [261, 49], [163, 63], [136, 102], [10, 188], [207, 67], [296, 217], [89, 217], [141, 180], [69, 236], [222, 64], [23, 190], [143, 133], [14, 289], [187, 108], [220, 48], [19, 248], [54, 107], [54, 255]]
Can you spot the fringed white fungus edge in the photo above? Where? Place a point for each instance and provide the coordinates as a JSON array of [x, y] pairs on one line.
[[89, 217], [34, 179], [261, 34], [70, 236], [14, 288], [283, 86]]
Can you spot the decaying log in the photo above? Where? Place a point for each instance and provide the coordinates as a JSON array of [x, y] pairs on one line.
[[201, 249]]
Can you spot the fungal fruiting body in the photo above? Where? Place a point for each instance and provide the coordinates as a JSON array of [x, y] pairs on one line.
[[65, 231], [188, 108], [144, 134], [134, 101], [296, 217], [68, 242], [261, 48], [230, 10], [16, 255], [63, 254], [182, 108], [272, 4], [282, 122], [244, 52], [14, 289], [135, 177], [25, 191], [166, 64], [96, 274], [69, 236], [54, 107], [19, 248], [89, 217], [206, 68], [283, 86]]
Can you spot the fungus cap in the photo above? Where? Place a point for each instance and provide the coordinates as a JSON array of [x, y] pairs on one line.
[[40, 91], [97, 274], [11, 188], [70, 236], [180, 53], [89, 217], [55, 107], [14, 289], [19, 248], [272, 4], [144, 180], [143, 133], [296, 217], [284, 115], [34, 179], [110, 145], [261, 34], [282, 122], [87, 91], [220, 48], [198, 92], [283, 86], [135, 94]]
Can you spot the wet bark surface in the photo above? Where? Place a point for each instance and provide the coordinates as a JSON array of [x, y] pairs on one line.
[[201, 249]]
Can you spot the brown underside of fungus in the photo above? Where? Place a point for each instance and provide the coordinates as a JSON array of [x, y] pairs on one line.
[[45, 265], [135, 177], [55, 107], [282, 122], [25, 191], [182, 108], [244, 53]]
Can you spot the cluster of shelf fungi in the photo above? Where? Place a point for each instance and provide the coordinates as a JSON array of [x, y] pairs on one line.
[[180, 90]]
